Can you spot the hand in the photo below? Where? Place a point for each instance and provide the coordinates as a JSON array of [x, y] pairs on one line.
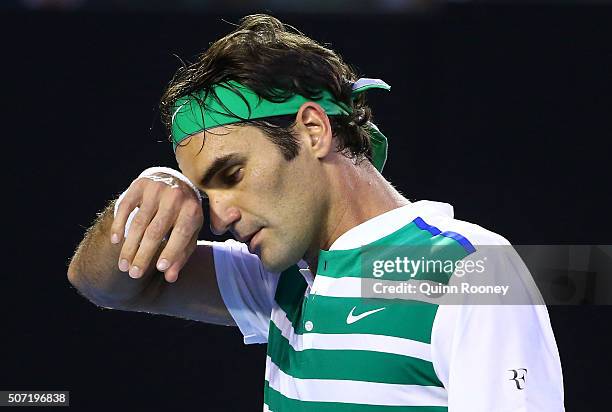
[[165, 203]]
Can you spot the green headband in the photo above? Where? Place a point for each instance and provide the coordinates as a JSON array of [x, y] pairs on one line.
[[237, 103]]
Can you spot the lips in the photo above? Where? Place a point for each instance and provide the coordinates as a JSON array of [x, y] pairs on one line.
[[252, 240], [247, 238]]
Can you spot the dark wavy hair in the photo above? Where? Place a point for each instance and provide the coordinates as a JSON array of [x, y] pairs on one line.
[[276, 61]]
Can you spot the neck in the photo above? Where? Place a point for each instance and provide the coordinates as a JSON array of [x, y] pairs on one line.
[[357, 194]]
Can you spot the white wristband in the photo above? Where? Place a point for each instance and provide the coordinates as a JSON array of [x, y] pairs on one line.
[[149, 174]]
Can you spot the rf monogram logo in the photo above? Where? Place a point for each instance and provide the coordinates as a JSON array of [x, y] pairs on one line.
[[519, 377]]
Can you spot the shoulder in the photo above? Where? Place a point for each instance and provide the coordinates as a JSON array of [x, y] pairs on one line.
[[475, 234]]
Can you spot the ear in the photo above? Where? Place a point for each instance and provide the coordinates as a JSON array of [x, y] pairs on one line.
[[313, 125]]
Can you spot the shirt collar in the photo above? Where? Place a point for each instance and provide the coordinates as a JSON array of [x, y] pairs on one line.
[[389, 222], [381, 226]]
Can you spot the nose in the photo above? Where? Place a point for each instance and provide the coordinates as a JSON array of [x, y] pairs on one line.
[[223, 214]]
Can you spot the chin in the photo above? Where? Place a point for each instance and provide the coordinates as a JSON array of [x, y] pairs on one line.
[[276, 261], [274, 265]]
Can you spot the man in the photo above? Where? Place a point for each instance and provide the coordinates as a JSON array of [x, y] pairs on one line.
[[273, 129]]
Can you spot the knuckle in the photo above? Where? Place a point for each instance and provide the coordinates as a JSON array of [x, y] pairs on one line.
[[187, 191], [175, 197], [155, 230], [138, 184], [192, 210], [146, 208], [152, 191], [183, 231], [125, 206], [139, 221], [164, 214], [135, 183]]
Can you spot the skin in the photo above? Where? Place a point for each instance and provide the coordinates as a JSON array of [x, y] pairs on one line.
[[296, 207]]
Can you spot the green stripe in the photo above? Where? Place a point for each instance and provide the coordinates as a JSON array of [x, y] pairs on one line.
[[409, 243], [356, 365], [401, 318], [407, 319], [279, 403], [290, 293]]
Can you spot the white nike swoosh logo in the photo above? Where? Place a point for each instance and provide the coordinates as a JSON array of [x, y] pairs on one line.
[[352, 319]]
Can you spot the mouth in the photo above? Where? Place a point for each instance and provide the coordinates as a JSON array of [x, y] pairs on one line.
[[246, 238], [251, 240]]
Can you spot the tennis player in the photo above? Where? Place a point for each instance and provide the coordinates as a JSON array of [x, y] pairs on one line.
[[273, 129]]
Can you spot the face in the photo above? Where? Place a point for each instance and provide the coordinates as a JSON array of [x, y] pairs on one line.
[[269, 203]]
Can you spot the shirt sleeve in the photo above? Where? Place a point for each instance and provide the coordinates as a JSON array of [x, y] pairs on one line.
[[246, 287], [500, 357]]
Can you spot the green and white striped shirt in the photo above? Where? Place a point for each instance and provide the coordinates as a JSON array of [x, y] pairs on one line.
[[330, 349]]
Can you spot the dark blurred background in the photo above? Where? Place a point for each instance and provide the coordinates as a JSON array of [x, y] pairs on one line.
[[503, 110]]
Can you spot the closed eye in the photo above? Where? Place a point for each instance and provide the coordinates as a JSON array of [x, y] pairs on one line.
[[234, 175]]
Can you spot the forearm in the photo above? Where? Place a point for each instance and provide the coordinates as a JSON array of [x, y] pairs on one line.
[[94, 267]]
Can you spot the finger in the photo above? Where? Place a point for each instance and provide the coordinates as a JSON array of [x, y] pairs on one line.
[[183, 236], [130, 201], [172, 273], [147, 211], [156, 230]]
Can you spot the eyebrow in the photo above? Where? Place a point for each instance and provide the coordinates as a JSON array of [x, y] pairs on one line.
[[219, 164]]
